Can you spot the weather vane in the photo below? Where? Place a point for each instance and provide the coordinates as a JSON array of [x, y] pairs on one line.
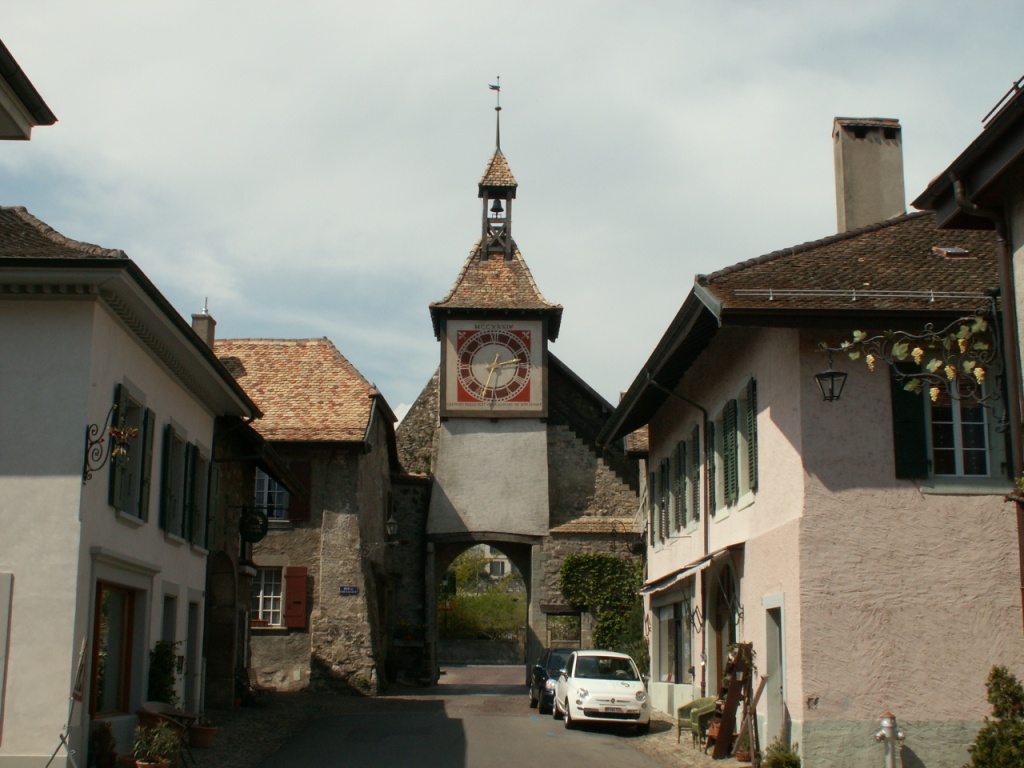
[[497, 88]]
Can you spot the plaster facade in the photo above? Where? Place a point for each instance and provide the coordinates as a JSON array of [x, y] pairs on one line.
[[63, 359]]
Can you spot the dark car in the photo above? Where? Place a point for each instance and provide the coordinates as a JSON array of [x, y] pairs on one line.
[[543, 677]]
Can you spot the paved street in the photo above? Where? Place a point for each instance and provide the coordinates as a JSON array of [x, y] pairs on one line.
[[478, 717]]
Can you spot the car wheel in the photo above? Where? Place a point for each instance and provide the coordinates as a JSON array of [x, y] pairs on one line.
[[555, 713], [643, 727], [533, 700], [542, 708], [569, 722]]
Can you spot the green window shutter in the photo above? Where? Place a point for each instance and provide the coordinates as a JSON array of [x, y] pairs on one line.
[[752, 433], [709, 467], [910, 436], [117, 487], [695, 473], [188, 522], [663, 498], [166, 496], [681, 484], [730, 452], [652, 505], [146, 481]]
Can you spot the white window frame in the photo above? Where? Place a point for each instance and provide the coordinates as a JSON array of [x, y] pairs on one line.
[[267, 604], [271, 497]]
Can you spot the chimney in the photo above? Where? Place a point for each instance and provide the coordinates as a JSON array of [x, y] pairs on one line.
[[204, 325], [868, 156]]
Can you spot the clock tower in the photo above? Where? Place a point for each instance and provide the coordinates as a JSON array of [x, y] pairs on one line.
[[494, 327]]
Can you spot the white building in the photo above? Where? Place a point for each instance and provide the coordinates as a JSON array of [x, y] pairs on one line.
[[97, 553]]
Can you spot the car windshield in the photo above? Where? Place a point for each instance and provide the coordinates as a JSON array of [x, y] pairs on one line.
[[556, 660], [605, 667]]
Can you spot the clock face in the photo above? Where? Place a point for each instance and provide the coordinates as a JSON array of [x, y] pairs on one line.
[[493, 365]]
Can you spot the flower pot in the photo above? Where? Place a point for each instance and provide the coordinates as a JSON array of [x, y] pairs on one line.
[[157, 764], [743, 756], [201, 735]]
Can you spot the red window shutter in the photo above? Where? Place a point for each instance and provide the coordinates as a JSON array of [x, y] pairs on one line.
[[295, 597], [298, 506]]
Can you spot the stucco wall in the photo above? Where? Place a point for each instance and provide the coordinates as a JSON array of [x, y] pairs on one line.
[[908, 597], [490, 476], [62, 360]]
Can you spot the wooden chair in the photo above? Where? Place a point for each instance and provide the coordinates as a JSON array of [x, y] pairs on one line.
[[683, 715], [700, 719]]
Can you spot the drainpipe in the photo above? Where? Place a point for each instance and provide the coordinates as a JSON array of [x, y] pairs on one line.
[[705, 516], [1011, 346]]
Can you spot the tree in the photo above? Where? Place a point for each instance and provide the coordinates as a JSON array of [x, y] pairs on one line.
[[1000, 742]]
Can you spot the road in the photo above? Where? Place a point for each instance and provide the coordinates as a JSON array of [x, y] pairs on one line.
[[477, 718]]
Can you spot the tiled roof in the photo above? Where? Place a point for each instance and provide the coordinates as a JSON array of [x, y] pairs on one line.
[[595, 524], [498, 174], [495, 283], [896, 265], [24, 236], [306, 388]]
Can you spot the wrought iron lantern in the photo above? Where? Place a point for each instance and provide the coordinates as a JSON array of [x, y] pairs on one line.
[[830, 382]]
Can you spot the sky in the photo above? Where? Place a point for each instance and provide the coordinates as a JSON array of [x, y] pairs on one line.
[[310, 169]]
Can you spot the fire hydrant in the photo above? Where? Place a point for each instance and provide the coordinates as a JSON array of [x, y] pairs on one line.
[[890, 735]]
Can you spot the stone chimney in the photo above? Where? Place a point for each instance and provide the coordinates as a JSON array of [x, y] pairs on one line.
[[868, 156], [204, 325]]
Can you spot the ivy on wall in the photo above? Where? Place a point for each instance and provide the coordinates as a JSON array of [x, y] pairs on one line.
[[608, 587]]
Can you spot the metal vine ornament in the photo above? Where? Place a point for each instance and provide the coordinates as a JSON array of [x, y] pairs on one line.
[[954, 360], [98, 450]]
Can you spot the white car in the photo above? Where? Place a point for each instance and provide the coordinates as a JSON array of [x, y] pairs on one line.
[[601, 687]]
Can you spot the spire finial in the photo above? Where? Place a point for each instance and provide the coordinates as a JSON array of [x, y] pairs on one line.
[[496, 87]]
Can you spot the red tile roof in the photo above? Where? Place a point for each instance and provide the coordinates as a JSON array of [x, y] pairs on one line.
[[594, 524], [895, 265], [498, 174], [306, 388]]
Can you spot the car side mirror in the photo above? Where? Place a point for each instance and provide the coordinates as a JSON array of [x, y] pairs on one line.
[[562, 672]]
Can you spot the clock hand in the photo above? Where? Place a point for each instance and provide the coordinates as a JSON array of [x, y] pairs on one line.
[[490, 374]]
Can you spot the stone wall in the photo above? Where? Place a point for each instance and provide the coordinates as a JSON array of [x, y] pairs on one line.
[[417, 435]]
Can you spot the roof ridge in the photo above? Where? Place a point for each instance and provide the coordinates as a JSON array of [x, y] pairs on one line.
[[63, 240], [810, 245]]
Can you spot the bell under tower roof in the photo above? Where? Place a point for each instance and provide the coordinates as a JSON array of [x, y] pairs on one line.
[[495, 278]]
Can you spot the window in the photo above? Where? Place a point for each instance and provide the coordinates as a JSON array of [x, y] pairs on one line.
[[271, 497], [732, 450], [675, 654], [267, 597], [959, 437], [497, 568], [112, 649], [944, 439], [130, 472]]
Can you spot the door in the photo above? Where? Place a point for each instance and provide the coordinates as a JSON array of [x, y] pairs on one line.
[[776, 709]]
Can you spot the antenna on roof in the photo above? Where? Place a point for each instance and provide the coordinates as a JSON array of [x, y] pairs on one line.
[[206, 305], [496, 87]]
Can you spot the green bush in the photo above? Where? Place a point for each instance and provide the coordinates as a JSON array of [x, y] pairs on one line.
[[1000, 742], [608, 587], [780, 755]]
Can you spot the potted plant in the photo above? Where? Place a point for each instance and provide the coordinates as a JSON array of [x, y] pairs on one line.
[[742, 749], [780, 755], [202, 732], [103, 745], [155, 745]]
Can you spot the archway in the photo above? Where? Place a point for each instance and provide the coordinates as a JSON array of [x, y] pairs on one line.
[[483, 588]]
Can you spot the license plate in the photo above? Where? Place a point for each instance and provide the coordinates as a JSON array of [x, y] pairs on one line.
[[613, 709]]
